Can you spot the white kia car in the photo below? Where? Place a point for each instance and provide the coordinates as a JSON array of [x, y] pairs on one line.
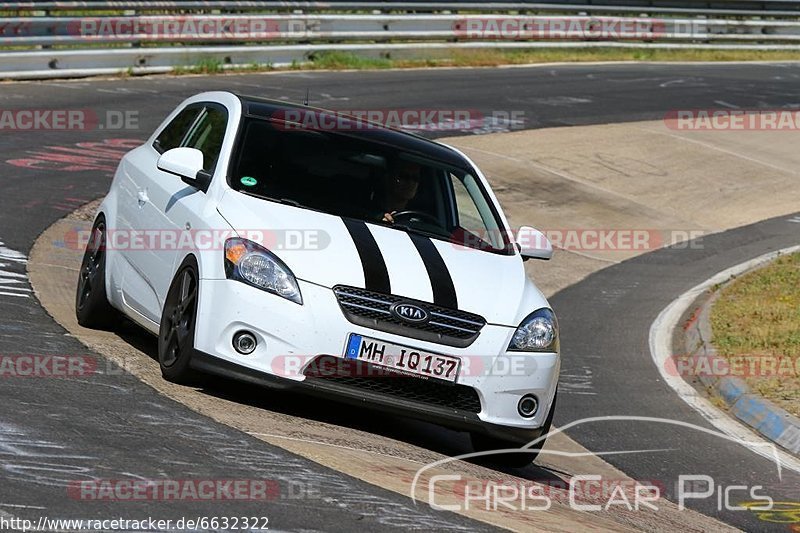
[[299, 248]]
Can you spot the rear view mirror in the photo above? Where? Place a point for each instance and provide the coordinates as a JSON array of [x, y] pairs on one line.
[[187, 164], [533, 244]]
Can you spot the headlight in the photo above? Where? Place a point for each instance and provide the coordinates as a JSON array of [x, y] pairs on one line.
[[537, 333], [250, 263]]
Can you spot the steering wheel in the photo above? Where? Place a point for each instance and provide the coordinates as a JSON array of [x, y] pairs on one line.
[[411, 214]]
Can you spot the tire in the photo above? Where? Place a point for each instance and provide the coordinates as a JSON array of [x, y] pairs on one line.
[[91, 302], [178, 324], [485, 443]]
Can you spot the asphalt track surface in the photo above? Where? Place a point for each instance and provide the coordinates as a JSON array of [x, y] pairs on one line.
[[605, 322], [56, 431]]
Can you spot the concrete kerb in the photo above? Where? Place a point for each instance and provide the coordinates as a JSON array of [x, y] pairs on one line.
[[758, 413]]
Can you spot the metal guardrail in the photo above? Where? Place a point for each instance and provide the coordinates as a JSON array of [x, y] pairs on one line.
[[48, 31], [607, 6], [265, 33]]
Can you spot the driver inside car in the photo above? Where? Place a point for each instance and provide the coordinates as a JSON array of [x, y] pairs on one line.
[[399, 188]]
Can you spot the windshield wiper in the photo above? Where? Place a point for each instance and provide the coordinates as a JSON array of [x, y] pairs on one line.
[[284, 201], [288, 201], [409, 229]]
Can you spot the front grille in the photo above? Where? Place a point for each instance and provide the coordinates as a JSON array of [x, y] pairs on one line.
[[445, 326], [425, 392]]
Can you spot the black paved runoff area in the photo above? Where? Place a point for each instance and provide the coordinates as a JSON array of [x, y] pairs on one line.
[[111, 426]]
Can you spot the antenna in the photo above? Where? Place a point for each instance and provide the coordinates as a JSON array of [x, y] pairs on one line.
[[305, 102]]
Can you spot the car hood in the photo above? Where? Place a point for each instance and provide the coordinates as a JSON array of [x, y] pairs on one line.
[[329, 250]]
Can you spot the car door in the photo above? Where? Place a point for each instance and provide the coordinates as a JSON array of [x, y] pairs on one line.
[[169, 212], [136, 180]]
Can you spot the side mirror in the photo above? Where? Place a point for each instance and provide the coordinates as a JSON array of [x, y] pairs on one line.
[[187, 164], [533, 244]]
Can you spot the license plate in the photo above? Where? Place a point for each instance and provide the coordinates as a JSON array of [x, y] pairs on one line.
[[403, 359]]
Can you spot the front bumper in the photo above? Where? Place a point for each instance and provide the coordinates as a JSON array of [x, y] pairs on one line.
[[291, 336]]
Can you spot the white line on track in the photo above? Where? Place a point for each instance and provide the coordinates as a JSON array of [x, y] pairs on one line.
[[11, 274], [661, 349], [726, 104], [20, 506], [9, 280]]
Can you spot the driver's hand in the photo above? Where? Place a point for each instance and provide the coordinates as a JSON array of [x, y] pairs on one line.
[[387, 217]]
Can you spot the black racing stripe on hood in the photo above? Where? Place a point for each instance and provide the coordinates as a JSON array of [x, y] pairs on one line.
[[444, 291], [376, 275]]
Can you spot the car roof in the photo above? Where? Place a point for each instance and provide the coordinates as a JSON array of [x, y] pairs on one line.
[[353, 127]]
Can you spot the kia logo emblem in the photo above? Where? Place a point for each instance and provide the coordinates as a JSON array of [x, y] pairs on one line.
[[410, 313]]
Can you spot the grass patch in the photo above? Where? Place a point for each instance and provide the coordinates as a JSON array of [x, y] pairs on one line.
[[496, 57], [758, 314], [344, 60], [208, 65], [212, 66]]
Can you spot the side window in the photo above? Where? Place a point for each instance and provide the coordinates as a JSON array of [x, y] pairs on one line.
[[469, 217], [473, 211], [174, 133], [207, 135]]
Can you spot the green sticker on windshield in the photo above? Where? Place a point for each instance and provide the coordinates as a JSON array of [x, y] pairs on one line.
[[248, 181]]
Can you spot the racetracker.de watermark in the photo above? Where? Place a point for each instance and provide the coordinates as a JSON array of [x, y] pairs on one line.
[[733, 119], [46, 366], [413, 119], [584, 28], [142, 240], [588, 239], [21, 120], [121, 490], [409, 362], [742, 366], [156, 28], [617, 239]]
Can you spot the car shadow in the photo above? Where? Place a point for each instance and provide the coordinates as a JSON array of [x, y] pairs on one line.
[[415, 432]]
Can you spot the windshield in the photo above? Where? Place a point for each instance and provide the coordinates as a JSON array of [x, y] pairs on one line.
[[350, 177]]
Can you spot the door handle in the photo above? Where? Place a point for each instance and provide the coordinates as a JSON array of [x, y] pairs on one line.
[[141, 196]]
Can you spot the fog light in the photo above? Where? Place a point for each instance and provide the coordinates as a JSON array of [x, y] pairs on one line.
[[528, 406], [244, 342]]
